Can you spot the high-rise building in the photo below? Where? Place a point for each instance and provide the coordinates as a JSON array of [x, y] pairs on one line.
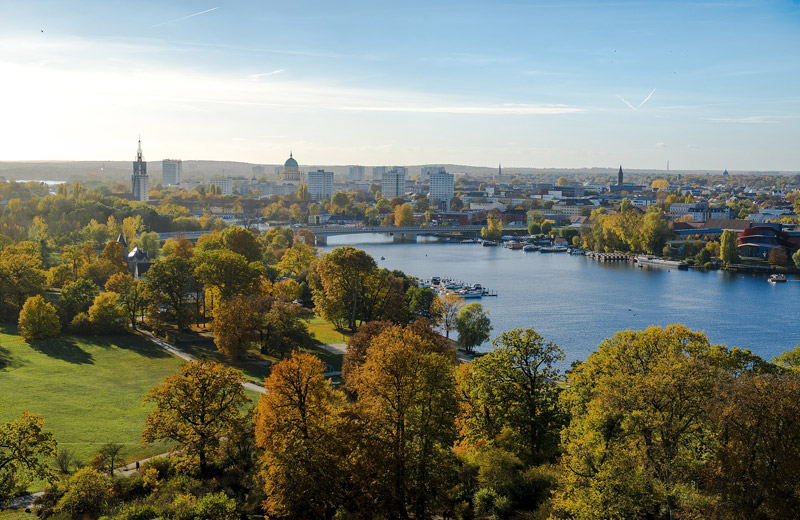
[[140, 182], [259, 170], [394, 183], [356, 173], [224, 185], [377, 173], [427, 171], [442, 190], [172, 170], [320, 185]]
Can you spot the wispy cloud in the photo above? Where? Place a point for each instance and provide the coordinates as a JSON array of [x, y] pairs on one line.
[[184, 17], [637, 107], [472, 109], [747, 119], [265, 74]]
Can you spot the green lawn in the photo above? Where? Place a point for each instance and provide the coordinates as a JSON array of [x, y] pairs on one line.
[[324, 331], [88, 390], [16, 514]]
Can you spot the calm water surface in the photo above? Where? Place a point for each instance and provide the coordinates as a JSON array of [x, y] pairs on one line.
[[576, 302]]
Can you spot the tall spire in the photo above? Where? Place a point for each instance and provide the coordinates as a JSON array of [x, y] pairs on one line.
[[139, 150], [619, 176]]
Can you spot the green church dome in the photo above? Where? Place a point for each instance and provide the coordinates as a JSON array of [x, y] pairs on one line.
[[290, 162]]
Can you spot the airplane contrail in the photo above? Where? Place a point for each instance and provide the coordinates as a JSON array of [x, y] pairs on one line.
[[185, 17], [636, 108]]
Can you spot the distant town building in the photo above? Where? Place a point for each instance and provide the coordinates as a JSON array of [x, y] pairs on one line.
[[259, 170], [291, 171], [356, 173], [224, 185], [394, 183], [699, 211], [172, 170], [377, 173], [442, 190], [320, 185], [140, 182], [427, 171]]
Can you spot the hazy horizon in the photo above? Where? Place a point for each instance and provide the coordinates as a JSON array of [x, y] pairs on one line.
[[705, 85]]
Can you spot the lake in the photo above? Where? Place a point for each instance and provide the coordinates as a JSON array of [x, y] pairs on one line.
[[576, 302]]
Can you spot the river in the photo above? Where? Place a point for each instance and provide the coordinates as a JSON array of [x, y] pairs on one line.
[[576, 302]]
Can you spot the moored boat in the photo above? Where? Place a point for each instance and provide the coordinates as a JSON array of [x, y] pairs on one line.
[[777, 278]]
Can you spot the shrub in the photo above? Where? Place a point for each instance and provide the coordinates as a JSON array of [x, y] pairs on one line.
[[38, 319], [106, 315], [81, 325]]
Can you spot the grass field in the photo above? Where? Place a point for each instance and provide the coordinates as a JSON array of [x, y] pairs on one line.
[[324, 331], [16, 514], [88, 390]]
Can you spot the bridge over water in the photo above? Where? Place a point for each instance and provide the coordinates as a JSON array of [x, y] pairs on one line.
[[398, 233]]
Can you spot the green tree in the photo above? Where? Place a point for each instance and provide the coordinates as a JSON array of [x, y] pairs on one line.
[[727, 247], [342, 277], [130, 293], [534, 228], [88, 494], [422, 303], [404, 215], [75, 298], [25, 450], [241, 241], [38, 319], [150, 243], [796, 258], [510, 396], [473, 326], [166, 284], [283, 330], [196, 408], [215, 506], [637, 423], [228, 272]]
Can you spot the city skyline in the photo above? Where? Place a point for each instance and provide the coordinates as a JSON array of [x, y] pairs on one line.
[[532, 84]]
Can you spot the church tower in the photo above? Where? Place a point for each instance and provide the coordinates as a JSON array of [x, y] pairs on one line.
[[619, 176], [140, 182]]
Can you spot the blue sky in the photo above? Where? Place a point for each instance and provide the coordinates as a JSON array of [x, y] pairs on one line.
[[705, 85]]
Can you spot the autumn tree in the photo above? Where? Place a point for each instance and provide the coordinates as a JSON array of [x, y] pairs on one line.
[[196, 408], [87, 494], [25, 452], [777, 256], [182, 248], [357, 346], [297, 427], [473, 326], [447, 307], [283, 329], [494, 226], [38, 319], [727, 247], [130, 295], [404, 215], [407, 392], [21, 276], [755, 464], [236, 323], [106, 315], [297, 258]]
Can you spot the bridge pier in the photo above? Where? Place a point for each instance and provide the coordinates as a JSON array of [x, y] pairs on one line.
[[404, 237], [321, 240]]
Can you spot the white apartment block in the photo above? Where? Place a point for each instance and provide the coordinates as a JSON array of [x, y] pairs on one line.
[[394, 183], [442, 189], [378, 172], [223, 184], [356, 173], [320, 185], [427, 171], [172, 172]]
